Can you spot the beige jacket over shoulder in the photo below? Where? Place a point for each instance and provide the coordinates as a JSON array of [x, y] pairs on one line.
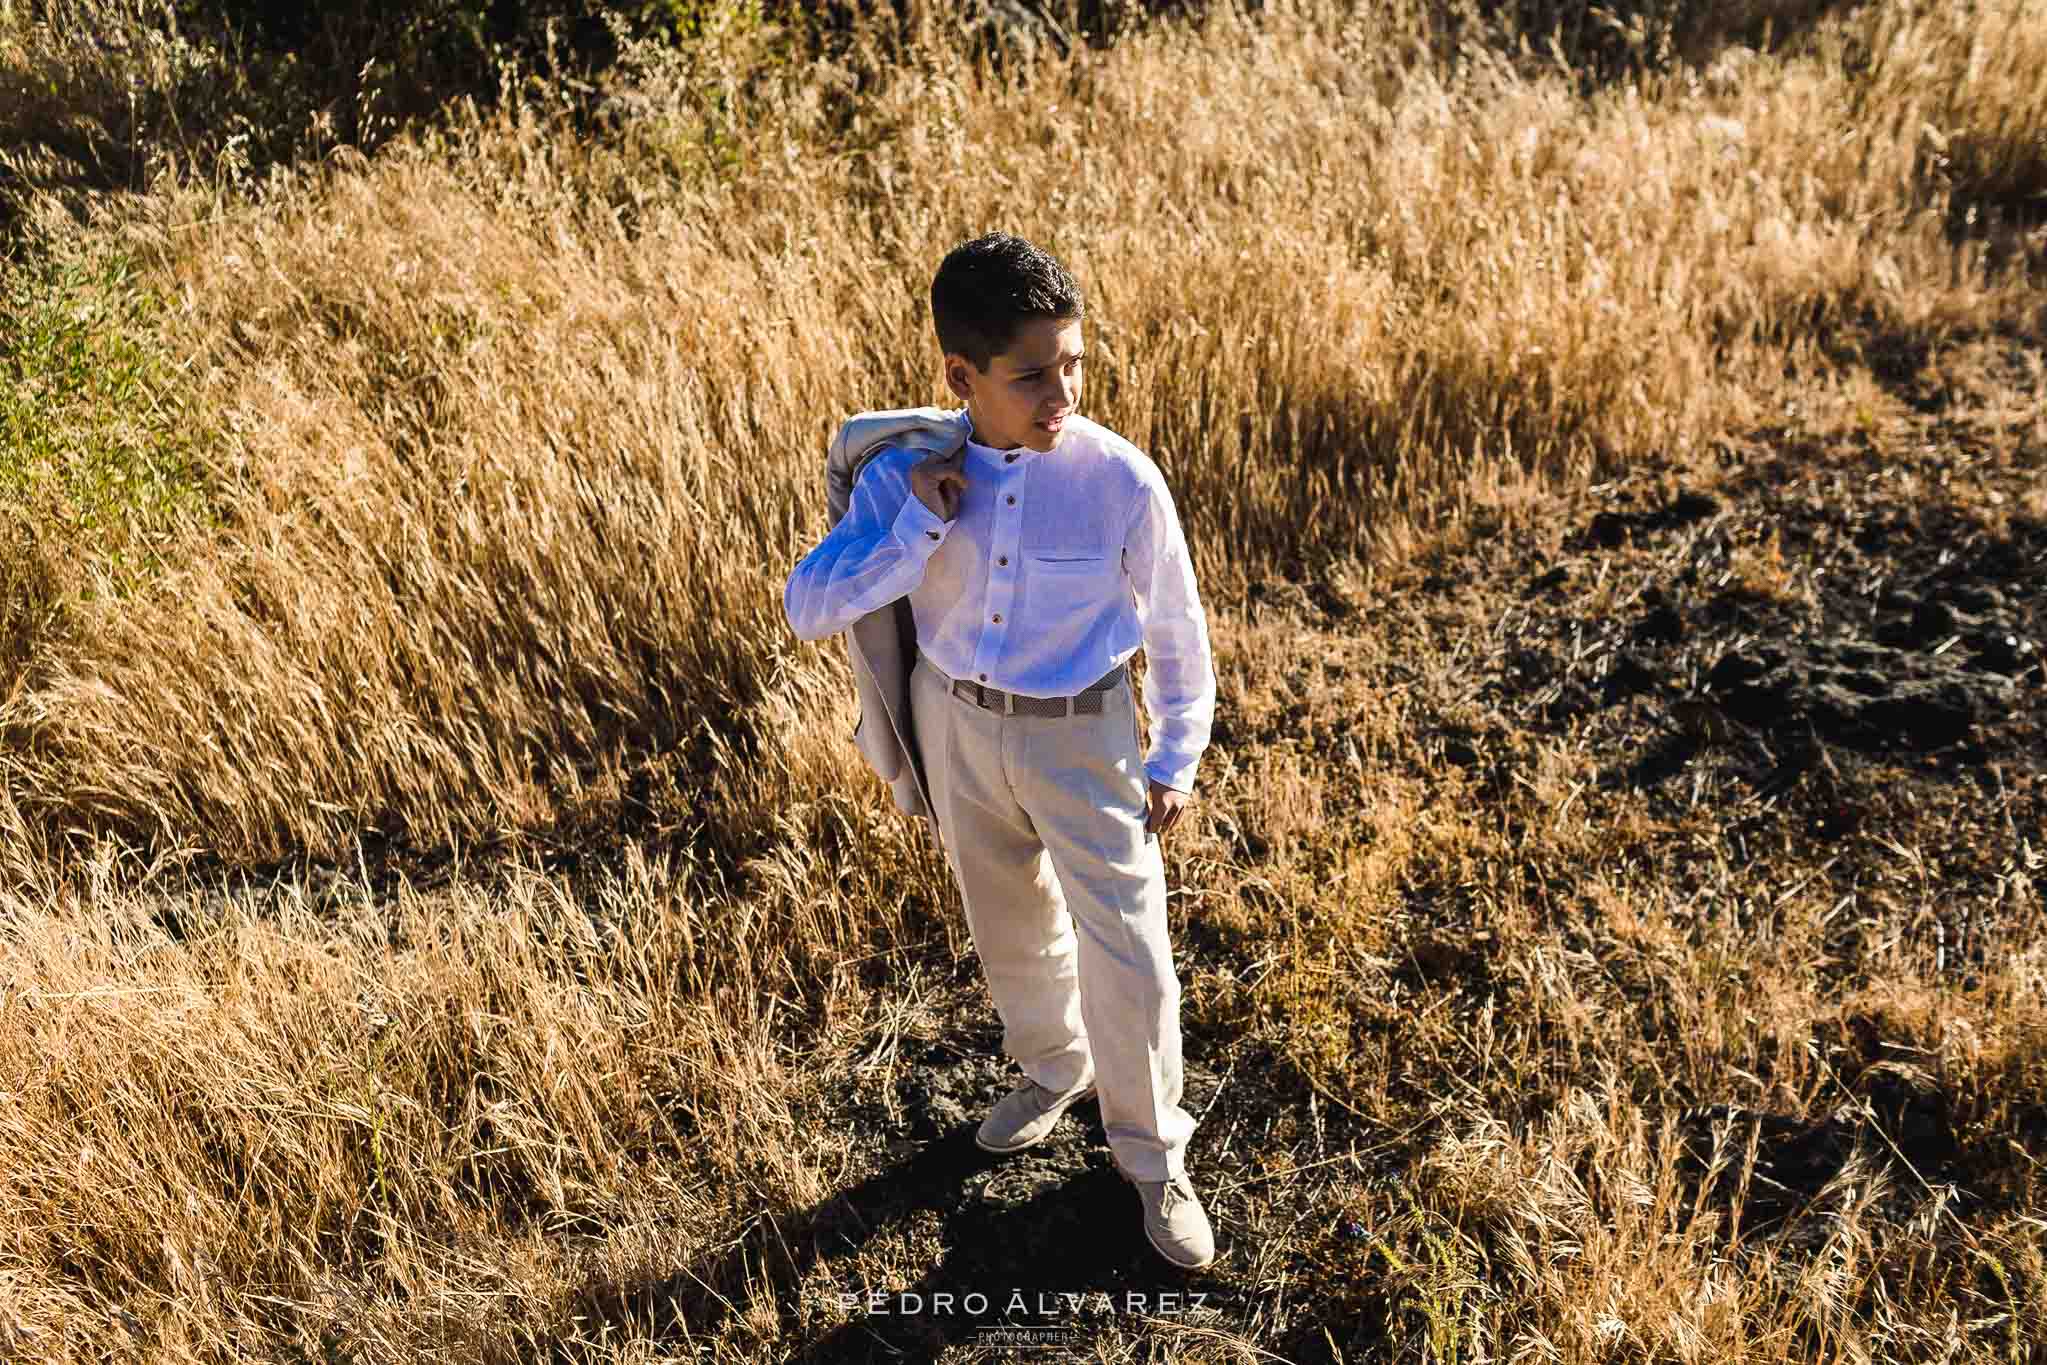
[[883, 643]]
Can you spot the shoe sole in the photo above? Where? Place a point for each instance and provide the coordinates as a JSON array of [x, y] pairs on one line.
[[1086, 1094]]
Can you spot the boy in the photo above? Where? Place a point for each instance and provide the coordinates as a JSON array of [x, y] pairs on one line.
[[1035, 559]]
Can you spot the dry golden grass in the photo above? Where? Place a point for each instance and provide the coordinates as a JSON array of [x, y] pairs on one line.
[[1968, 74], [521, 428], [443, 914]]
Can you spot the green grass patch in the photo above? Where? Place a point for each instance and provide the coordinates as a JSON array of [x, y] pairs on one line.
[[99, 457]]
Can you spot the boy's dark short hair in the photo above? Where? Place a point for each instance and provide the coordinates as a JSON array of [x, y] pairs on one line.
[[987, 289]]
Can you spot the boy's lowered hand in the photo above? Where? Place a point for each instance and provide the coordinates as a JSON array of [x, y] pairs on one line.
[[1167, 806], [939, 481]]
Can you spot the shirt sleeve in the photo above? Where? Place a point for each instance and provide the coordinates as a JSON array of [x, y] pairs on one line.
[[874, 555], [1179, 679]]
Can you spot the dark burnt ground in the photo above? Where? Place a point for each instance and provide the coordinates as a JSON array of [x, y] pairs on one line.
[[958, 1247], [1836, 640]]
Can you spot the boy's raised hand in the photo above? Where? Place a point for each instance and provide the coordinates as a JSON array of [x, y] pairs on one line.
[[939, 481]]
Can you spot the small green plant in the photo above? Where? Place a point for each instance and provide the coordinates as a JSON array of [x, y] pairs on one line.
[[1444, 1276], [687, 19], [96, 450]]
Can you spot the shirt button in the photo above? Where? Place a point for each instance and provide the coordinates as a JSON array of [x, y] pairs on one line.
[[998, 618], [1009, 458], [984, 677], [932, 534], [1011, 499], [1002, 562]]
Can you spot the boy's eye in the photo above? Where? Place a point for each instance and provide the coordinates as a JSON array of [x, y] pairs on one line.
[[1033, 376]]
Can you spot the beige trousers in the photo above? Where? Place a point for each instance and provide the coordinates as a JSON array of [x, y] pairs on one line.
[[1043, 822]]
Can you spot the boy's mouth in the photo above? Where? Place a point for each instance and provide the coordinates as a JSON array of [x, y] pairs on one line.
[[1054, 423]]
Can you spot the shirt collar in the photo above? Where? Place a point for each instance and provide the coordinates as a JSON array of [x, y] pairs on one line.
[[990, 455]]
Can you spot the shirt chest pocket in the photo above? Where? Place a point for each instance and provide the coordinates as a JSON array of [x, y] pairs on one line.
[[1057, 564]]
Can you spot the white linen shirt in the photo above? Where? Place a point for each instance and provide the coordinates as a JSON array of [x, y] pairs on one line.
[[1057, 567]]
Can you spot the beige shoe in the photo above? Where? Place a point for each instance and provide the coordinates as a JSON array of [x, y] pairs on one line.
[[1176, 1223], [1024, 1117]]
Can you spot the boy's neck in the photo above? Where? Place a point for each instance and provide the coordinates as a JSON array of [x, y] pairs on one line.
[[1020, 447]]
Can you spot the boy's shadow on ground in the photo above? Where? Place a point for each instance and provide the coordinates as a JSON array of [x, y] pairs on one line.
[[1078, 1232]]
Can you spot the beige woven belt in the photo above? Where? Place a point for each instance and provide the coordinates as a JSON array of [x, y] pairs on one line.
[[1087, 703]]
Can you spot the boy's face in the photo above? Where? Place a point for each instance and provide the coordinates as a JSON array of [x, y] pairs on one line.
[[1027, 392]]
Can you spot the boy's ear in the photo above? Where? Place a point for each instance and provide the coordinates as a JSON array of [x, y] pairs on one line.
[[960, 375]]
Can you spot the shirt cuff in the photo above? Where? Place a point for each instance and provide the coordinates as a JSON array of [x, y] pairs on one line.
[[1173, 770], [919, 531]]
